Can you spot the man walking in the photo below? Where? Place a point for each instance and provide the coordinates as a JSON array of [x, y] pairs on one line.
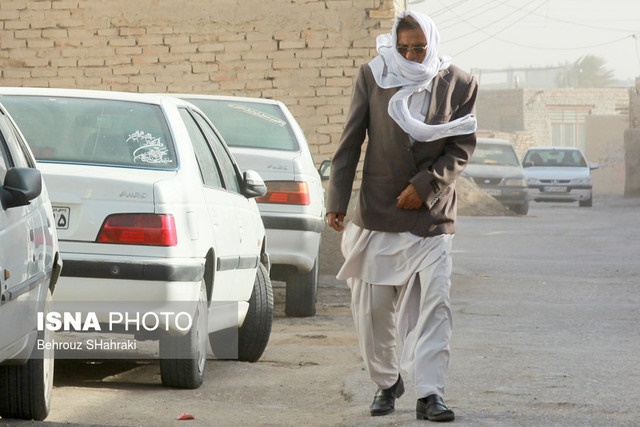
[[416, 110]]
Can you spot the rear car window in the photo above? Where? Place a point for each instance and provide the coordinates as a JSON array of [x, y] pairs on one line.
[[249, 124], [494, 154], [93, 131]]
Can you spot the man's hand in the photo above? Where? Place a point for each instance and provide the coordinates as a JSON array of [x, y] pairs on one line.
[[409, 199], [336, 220]]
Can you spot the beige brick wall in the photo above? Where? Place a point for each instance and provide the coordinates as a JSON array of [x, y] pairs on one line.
[[302, 52], [527, 110]]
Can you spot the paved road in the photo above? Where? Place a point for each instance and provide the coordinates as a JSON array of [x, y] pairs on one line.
[[546, 314]]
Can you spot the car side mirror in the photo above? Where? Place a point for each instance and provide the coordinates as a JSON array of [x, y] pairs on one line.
[[527, 164], [325, 170], [593, 166], [21, 185], [253, 185]]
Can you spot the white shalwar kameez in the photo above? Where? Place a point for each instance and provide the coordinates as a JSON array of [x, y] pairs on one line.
[[388, 270]]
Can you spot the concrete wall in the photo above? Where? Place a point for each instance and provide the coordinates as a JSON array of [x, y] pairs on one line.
[[605, 146], [302, 52], [500, 110], [632, 145]]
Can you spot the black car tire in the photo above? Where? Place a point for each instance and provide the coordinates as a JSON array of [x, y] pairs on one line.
[[586, 203], [247, 344], [522, 209], [25, 390], [301, 293], [183, 358]]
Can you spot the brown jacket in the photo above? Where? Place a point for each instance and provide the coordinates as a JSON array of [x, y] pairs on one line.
[[391, 162]]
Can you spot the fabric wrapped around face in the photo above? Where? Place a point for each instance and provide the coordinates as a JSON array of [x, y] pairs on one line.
[[390, 70]]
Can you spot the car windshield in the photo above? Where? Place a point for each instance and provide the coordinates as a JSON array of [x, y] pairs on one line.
[[249, 124], [554, 158], [494, 154], [93, 131]]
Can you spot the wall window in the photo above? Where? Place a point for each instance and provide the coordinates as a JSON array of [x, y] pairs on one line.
[[567, 125]]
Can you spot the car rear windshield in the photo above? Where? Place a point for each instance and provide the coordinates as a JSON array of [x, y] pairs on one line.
[[93, 131], [249, 124], [494, 154], [552, 158]]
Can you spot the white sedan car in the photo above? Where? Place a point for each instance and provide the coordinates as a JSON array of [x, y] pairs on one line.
[[152, 212], [263, 135], [558, 174], [29, 267]]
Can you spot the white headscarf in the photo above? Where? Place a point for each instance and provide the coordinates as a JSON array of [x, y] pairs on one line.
[[391, 69]]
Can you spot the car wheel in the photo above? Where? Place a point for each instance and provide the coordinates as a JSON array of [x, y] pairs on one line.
[[586, 203], [25, 390], [522, 209], [183, 358], [302, 289], [252, 337]]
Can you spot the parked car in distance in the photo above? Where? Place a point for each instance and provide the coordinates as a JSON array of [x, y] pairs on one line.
[[559, 174], [496, 169], [263, 135], [29, 267], [151, 207]]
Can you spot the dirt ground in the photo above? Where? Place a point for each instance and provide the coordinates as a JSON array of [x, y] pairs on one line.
[[310, 374], [316, 357]]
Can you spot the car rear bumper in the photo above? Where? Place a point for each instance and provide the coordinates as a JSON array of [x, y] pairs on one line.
[[293, 223], [295, 248], [145, 270], [112, 283]]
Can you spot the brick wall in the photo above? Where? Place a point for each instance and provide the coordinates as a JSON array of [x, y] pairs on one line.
[[302, 52], [606, 101], [517, 110]]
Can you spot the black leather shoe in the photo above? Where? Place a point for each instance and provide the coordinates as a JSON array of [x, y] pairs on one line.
[[432, 408], [384, 402]]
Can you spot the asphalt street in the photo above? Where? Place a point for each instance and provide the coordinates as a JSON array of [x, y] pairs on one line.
[[546, 311]]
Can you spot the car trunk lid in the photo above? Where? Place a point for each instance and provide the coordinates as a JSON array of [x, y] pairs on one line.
[[97, 192]]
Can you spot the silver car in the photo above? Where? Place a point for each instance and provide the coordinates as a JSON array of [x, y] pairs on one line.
[[264, 136], [496, 169], [559, 174]]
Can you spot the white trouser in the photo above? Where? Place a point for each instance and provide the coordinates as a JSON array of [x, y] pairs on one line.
[[420, 312]]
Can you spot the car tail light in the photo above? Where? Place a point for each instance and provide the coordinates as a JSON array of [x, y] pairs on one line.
[[139, 229], [286, 192]]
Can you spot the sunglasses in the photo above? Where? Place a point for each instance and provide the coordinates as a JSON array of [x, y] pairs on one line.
[[418, 50]]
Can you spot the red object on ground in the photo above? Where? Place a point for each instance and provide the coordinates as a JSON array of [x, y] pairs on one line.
[[185, 416]]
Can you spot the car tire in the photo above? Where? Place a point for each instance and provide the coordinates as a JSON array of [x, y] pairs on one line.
[[25, 390], [301, 293], [586, 203], [183, 358], [252, 337], [522, 209]]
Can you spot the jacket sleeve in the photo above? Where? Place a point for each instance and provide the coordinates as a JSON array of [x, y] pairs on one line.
[[432, 182], [346, 157]]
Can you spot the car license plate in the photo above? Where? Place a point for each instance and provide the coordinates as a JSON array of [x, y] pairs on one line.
[[492, 191], [61, 217], [555, 189]]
